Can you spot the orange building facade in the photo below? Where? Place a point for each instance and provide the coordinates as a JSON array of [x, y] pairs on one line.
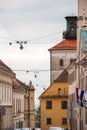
[[53, 104]]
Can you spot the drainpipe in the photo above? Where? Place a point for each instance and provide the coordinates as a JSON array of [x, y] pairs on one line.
[[0, 120], [71, 116], [29, 108]]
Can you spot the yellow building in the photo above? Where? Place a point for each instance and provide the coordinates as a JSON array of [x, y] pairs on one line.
[[53, 103]]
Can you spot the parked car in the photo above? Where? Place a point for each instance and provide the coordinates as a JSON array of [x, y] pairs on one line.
[[37, 128], [56, 128], [26, 128], [17, 129]]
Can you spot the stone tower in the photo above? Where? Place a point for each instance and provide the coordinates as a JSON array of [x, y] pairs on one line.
[[63, 53]]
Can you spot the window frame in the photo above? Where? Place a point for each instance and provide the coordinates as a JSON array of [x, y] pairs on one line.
[[63, 104], [48, 104], [71, 60], [64, 121], [86, 116], [49, 121], [61, 62]]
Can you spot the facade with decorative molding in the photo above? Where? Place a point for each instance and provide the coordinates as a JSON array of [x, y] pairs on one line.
[[82, 53], [78, 73], [6, 96], [15, 97], [29, 111], [18, 104]]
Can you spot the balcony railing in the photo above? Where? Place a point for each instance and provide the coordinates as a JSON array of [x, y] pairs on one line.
[[69, 34]]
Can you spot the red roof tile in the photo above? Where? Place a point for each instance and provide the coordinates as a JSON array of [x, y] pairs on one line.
[[65, 45]]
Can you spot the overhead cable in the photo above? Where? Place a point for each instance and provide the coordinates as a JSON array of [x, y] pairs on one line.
[[12, 31]]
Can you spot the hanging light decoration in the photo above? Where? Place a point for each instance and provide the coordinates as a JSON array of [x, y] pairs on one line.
[[36, 74], [21, 47], [20, 43]]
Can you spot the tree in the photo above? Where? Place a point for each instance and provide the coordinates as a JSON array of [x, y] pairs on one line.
[[37, 117]]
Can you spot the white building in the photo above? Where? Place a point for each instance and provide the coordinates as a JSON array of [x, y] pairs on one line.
[[18, 104], [16, 101], [6, 96], [62, 54]]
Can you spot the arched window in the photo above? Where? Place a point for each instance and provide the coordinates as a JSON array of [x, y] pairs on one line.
[[61, 62]]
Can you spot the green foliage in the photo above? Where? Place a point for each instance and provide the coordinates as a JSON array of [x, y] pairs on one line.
[[37, 115]]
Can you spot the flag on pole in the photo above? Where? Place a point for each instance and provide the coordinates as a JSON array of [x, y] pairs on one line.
[[80, 96]]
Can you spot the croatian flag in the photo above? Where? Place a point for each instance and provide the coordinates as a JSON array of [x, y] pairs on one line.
[[80, 96]]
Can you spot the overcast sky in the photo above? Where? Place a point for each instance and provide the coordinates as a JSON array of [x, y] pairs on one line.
[[40, 23]]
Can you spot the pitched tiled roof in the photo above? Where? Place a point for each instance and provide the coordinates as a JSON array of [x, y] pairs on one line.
[[18, 85], [63, 77], [4, 67], [65, 45]]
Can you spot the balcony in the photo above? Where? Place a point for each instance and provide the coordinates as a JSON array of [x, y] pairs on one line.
[[69, 34]]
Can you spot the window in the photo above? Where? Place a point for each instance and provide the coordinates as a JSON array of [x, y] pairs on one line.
[[20, 124], [17, 124], [86, 43], [85, 83], [85, 115], [64, 121], [61, 62], [49, 121], [13, 105], [64, 104], [48, 104], [18, 105], [59, 91], [71, 60]]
